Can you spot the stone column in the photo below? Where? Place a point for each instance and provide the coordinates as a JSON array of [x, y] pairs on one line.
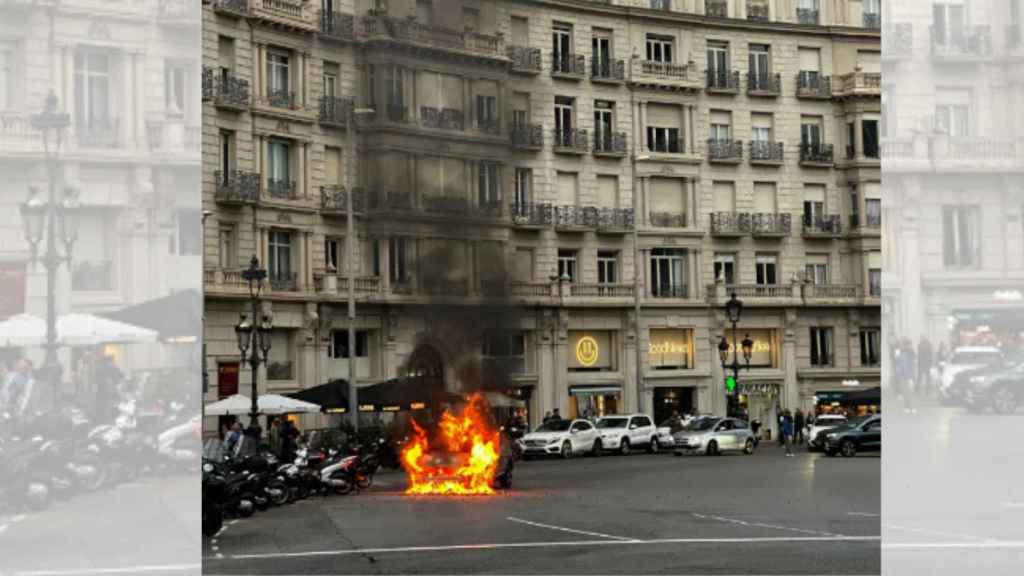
[[791, 388], [561, 363], [545, 393], [385, 265]]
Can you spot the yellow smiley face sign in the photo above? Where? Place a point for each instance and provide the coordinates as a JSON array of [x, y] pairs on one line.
[[587, 351]]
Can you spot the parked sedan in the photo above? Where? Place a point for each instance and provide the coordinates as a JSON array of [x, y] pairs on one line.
[[564, 438], [859, 435], [823, 423], [712, 436]]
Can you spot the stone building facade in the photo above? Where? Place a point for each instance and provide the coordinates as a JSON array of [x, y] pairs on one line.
[[604, 173]]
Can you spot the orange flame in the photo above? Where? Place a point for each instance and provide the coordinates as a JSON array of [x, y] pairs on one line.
[[471, 442]]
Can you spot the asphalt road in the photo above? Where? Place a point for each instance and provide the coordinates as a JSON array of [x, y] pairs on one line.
[[953, 492], [763, 514]]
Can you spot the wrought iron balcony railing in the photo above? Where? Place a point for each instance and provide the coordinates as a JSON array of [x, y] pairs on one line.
[[764, 84], [807, 15], [532, 214], [723, 81], [728, 151], [665, 69], [225, 90], [958, 43], [578, 290], [525, 59], [816, 154], [825, 225], [765, 152], [610, 143], [859, 82], [406, 30], [767, 224], [757, 11], [813, 85], [609, 219], [231, 7], [236, 187], [334, 199], [602, 69], [281, 188], [569, 65], [529, 137], [571, 141], [716, 8], [280, 98], [730, 223], [604, 219], [667, 219], [335, 111], [337, 25]]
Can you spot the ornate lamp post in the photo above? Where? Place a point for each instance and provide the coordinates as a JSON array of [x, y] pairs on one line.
[[254, 340], [733, 309], [56, 220]]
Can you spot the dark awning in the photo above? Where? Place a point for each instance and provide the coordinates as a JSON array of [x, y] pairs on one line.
[[403, 394], [871, 395], [332, 396], [177, 316]]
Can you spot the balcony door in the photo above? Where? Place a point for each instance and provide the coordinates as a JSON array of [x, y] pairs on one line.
[[279, 256], [718, 63], [948, 24], [602, 53], [759, 65], [810, 134], [278, 70], [561, 48], [766, 269], [564, 120], [668, 276], [92, 89], [603, 123]]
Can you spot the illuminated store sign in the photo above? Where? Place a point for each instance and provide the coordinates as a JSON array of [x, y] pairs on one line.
[[764, 350], [590, 350], [670, 349]]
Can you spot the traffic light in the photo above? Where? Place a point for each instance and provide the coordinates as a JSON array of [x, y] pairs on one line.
[[730, 384]]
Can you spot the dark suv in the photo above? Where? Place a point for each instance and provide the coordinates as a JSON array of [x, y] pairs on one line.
[[1000, 388], [860, 435]]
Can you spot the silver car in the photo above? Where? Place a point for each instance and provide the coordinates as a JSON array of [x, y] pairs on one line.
[[713, 436]]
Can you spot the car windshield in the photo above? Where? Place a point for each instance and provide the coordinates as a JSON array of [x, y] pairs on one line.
[[612, 423], [555, 426], [854, 422], [974, 357], [701, 424]]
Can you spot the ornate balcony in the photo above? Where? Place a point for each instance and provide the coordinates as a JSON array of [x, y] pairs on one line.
[[237, 187], [610, 71], [725, 151], [807, 16], [281, 189], [280, 98], [337, 26], [335, 111], [334, 200], [612, 144], [765, 153], [442, 118], [224, 90], [972, 44], [827, 226], [295, 14], [525, 60], [873, 20], [665, 75], [730, 224], [679, 291], [235, 8], [397, 114], [528, 137], [532, 215], [813, 86], [99, 133], [764, 84], [572, 141], [723, 82], [178, 12], [608, 220], [767, 225], [716, 8], [667, 219], [816, 155], [283, 281], [830, 293], [389, 201], [374, 28], [569, 66], [757, 11], [897, 41], [859, 84], [976, 149], [615, 220], [753, 294], [577, 290]]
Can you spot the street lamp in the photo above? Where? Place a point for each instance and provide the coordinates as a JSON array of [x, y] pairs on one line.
[[733, 310], [350, 261], [252, 340], [51, 220]]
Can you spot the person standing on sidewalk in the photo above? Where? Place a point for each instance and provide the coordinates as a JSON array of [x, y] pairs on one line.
[[798, 427], [786, 432]]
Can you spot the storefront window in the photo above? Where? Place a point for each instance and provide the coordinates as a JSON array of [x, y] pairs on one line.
[[591, 352], [670, 349]]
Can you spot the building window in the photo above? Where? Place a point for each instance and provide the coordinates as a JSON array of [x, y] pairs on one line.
[[604, 125], [810, 131], [766, 269], [227, 247], [948, 24], [503, 355], [851, 141], [280, 255], [488, 192], [952, 119], [807, 11], [660, 48], [339, 344], [821, 346], [663, 140], [6, 78], [875, 282], [561, 52], [330, 79], [869, 132], [670, 349], [668, 273], [174, 89], [567, 264], [725, 268], [486, 112], [397, 260], [718, 60], [854, 207], [279, 182], [814, 204], [961, 236], [720, 126], [92, 89], [564, 120], [760, 65], [278, 79], [873, 212], [332, 253], [816, 269], [601, 45], [227, 154], [870, 347], [607, 267], [524, 179]]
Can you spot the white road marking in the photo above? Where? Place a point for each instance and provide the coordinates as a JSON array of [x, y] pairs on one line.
[[549, 544], [119, 570], [563, 529], [938, 533], [233, 522], [986, 545], [863, 514], [774, 526]]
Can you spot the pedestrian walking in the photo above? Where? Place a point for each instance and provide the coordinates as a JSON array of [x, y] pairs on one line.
[[289, 438], [787, 432], [547, 418], [555, 416], [233, 439], [798, 427]]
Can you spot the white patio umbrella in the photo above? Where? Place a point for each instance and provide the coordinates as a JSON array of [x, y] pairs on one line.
[[72, 330], [239, 405]]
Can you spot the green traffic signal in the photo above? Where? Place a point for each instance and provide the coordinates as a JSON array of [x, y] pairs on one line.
[[730, 383]]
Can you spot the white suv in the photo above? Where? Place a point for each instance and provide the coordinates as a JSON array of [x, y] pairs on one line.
[[625, 432]]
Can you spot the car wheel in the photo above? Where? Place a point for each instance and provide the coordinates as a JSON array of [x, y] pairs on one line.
[[712, 448], [748, 448], [597, 449], [1004, 401], [655, 446], [566, 450], [624, 446], [848, 449]]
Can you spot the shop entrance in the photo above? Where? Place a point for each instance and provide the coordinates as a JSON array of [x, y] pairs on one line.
[[594, 401], [669, 400], [759, 403]]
